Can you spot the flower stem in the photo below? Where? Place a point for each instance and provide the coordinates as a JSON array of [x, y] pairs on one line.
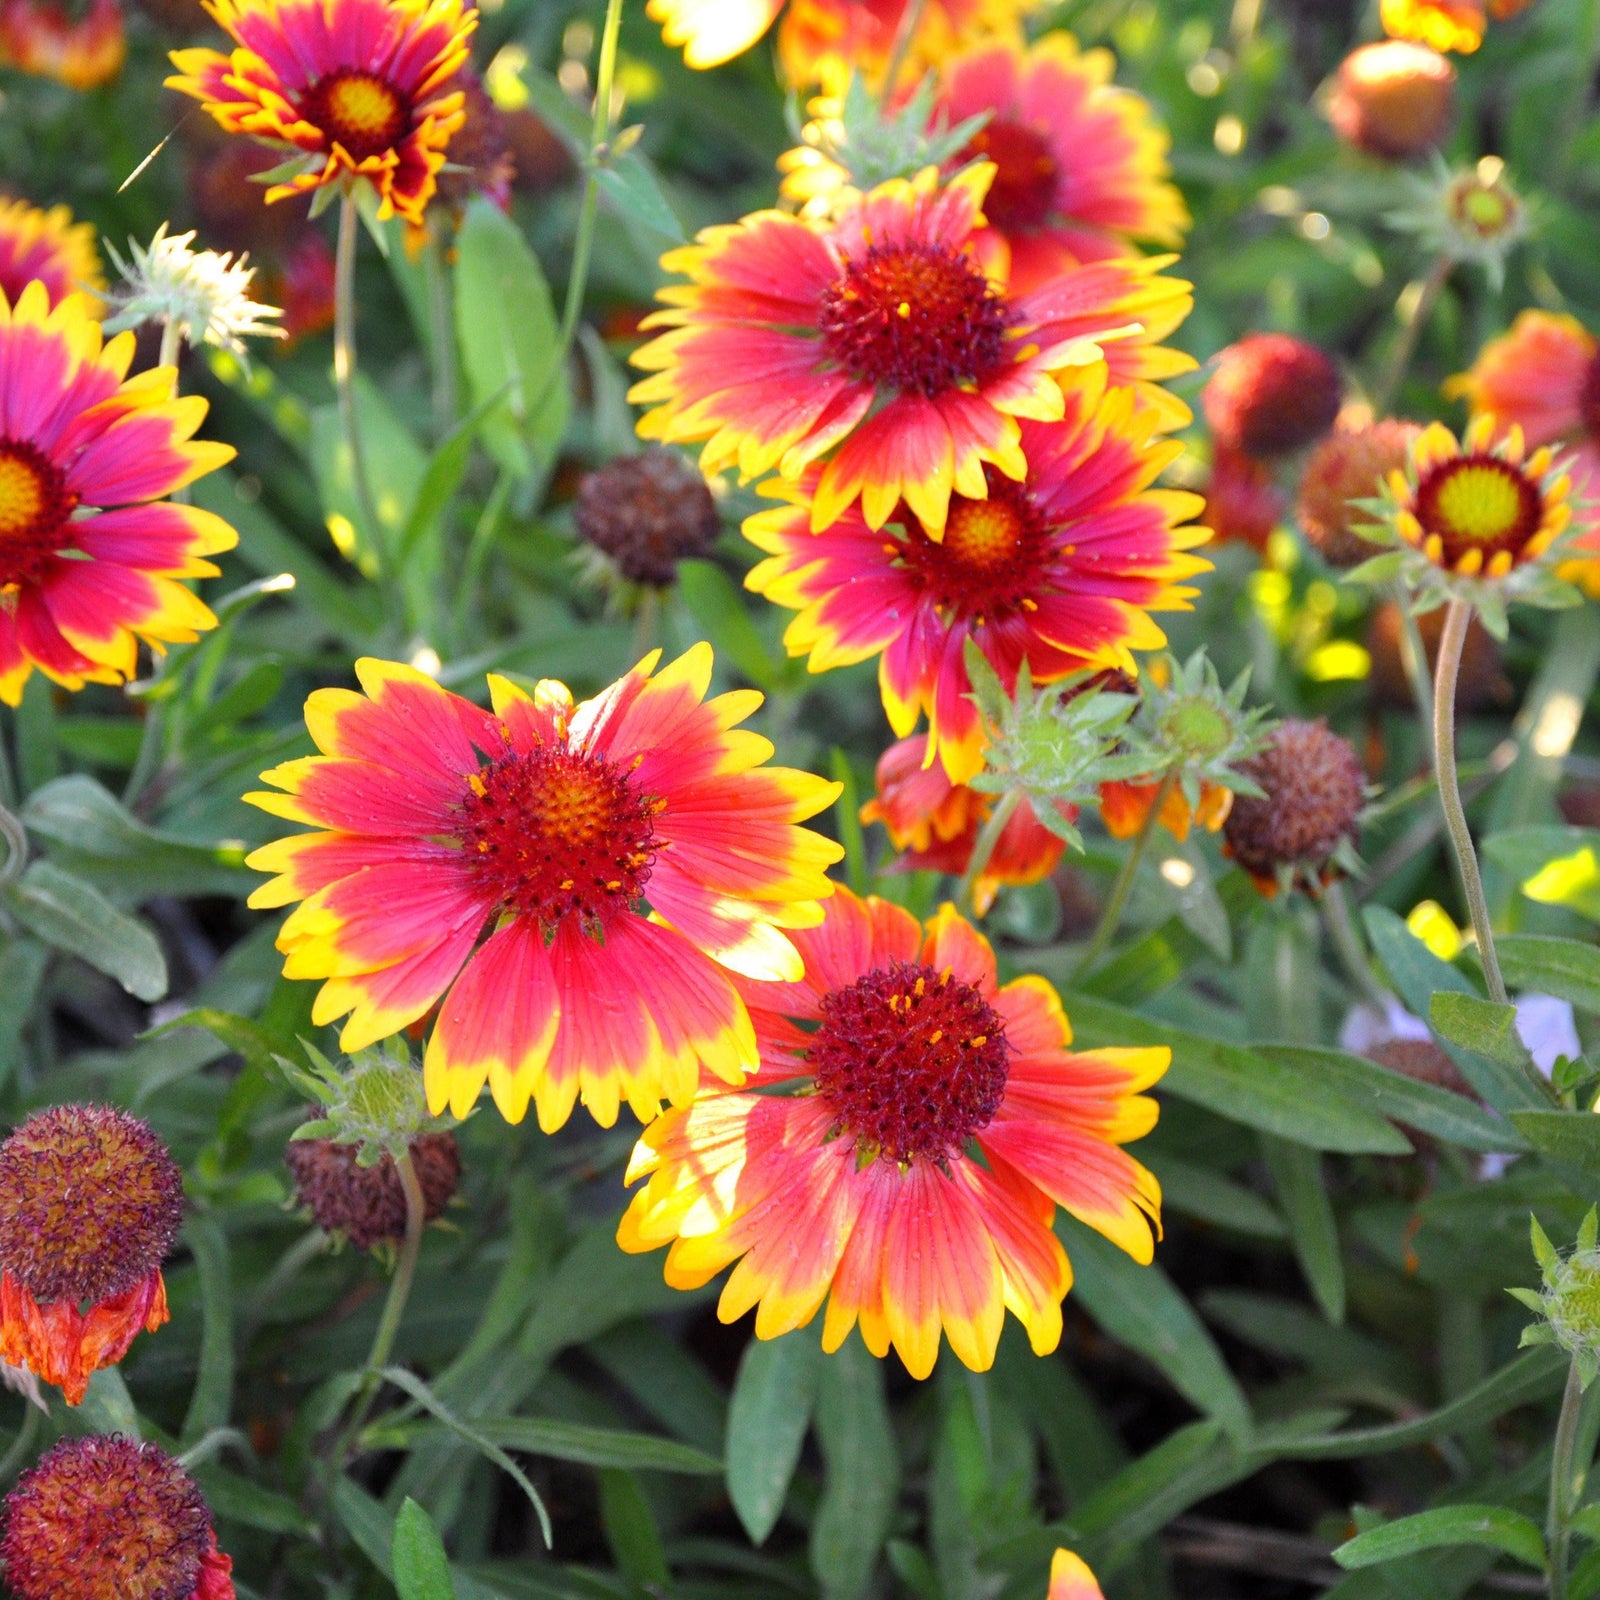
[[910, 21], [1413, 655], [1111, 917], [344, 370], [16, 842], [1347, 942], [442, 336], [1383, 397], [984, 847], [171, 346], [394, 1305], [1566, 1476], [1451, 641]]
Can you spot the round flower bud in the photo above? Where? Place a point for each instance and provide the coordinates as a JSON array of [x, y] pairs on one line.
[[90, 1203], [1349, 465], [1394, 99], [1243, 500], [1269, 395], [1482, 683], [647, 512], [111, 1519], [367, 1205], [1314, 789]]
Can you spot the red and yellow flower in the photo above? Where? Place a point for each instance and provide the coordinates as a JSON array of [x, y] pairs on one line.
[[1442, 24], [41, 38], [90, 554], [49, 246], [877, 348], [362, 88], [1544, 377], [918, 1125], [935, 825], [1124, 807], [1061, 570], [543, 826], [1071, 1579]]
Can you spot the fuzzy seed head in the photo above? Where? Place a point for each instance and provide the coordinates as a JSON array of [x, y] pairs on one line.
[[1349, 465], [367, 1205], [647, 512]]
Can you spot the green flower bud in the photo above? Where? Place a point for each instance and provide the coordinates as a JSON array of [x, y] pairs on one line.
[[1569, 1302], [373, 1100]]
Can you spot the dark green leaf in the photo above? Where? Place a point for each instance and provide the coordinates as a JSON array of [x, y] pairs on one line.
[[1302, 1192], [211, 1401], [630, 184], [863, 1474], [1481, 1026], [595, 1447], [73, 916], [1493, 1527], [631, 1531], [421, 1568], [1566, 968], [721, 616], [1569, 1136], [767, 1422], [1556, 866]]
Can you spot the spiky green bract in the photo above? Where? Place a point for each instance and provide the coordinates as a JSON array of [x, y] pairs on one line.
[[373, 1100], [1569, 1303], [1053, 746], [1466, 214]]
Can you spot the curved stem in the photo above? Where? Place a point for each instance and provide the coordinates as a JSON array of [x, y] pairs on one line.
[[171, 345], [1413, 655], [394, 1305], [16, 842], [984, 847], [1111, 917], [1451, 641], [1383, 397], [1563, 1484], [344, 371]]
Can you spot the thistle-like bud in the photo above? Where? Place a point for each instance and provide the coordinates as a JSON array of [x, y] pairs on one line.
[[1349, 466], [375, 1103], [1470, 215], [367, 1205], [1568, 1304], [646, 513]]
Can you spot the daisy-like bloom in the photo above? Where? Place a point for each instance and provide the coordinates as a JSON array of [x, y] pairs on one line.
[[1071, 1579], [1442, 24], [111, 1519], [90, 555], [543, 825], [90, 1203], [362, 88], [1061, 571], [41, 38], [48, 246], [935, 825], [1544, 377], [927, 1123], [876, 347], [1124, 807]]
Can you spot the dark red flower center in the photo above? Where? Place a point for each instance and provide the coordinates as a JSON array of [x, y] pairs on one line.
[[1589, 399], [35, 504], [554, 833], [991, 560], [105, 1519], [1023, 194], [914, 317], [913, 1060], [1478, 502], [90, 1203], [359, 110]]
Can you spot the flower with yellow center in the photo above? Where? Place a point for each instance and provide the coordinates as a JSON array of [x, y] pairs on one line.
[[49, 246]]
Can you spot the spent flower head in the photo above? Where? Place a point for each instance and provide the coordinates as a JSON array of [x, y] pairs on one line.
[[373, 1100], [1468, 214], [1568, 1304], [1054, 746], [204, 294]]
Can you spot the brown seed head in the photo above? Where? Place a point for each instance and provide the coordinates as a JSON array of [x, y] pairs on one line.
[[542, 161], [647, 512], [1422, 1061], [1314, 788], [1349, 465], [90, 1203], [1270, 394], [1393, 99], [367, 1205], [105, 1519]]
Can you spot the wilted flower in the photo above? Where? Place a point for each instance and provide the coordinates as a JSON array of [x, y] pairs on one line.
[[367, 1204], [646, 513]]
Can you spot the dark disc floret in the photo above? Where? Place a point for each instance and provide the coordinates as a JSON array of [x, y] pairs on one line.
[[105, 1519], [1314, 791], [367, 1205], [647, 512], [90, 1203]]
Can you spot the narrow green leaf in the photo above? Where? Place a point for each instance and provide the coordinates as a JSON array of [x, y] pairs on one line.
[[74, 916], [1493, 1527], [631, 1531], [1566, 968], [1569, 1136], [1297, 1175], [1192, 1190], [1140, 1307], [770, 1412], [595, 1447], [630, 184], [863, 1474], [421, 1568], [1481, 1026], [236, 1499], [211, 1402]]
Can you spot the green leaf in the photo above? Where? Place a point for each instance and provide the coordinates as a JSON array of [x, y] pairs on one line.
[[237, 1499], [1302, 1192], [1243, 1085], [421, 1568], [510, 341], [595, 1447], [856, 1511], [1139, 1307], [720, 615], [631, 1531], [630, 184], [1193, 1190], [1566, 968], [770, 1412], [1493, 1527], [395, 467], [1482, 1026], [73, 916], [1555, 866], [1569, 1136], [211, 1402]]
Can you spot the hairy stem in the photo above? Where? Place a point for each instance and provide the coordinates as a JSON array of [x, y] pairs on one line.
[[1383, 397], [16, 843], [1451, 641], [1111, 917], [983, 849], [1413, 655], [1565, 1477]]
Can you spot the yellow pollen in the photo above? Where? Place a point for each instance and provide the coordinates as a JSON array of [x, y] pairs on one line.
[[363, 106], [937, 1034], [1480, 503], [981, 533], [922, 984], [22, 496], [976, 1040], [903, 309]]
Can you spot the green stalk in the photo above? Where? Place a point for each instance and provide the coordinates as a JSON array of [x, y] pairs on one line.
[[1413, 654], [1458, 615], [1111, 917], [910, 21], [441, 332], [984, 848], [1566, 1477], [1383, 397], [344, 370], [1346, 942], [16, 842]]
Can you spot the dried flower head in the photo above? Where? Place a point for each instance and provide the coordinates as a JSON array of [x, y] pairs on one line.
[[1348, 467], [367, 1204], [1301, 828], [646, 513], [1394, 99], [1271, 394], [206, 296], [111, 1519]]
